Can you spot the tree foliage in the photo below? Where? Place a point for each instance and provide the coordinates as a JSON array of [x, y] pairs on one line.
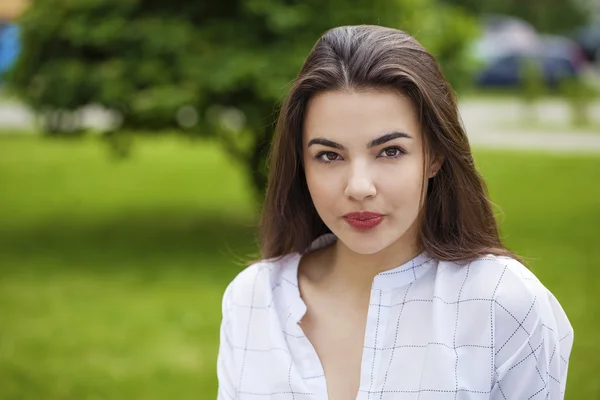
[[205, 67], [551, 16]]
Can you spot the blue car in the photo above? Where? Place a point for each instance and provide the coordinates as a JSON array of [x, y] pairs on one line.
[[509, 70], [9, 46], [508, 44], [588, 38]]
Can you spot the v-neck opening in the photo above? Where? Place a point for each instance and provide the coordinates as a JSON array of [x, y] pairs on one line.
[[396, 277]]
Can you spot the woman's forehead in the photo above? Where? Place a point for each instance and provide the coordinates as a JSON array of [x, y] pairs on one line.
[[354, 116]]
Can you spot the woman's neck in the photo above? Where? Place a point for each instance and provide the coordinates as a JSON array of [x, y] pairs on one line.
[[356, 271]]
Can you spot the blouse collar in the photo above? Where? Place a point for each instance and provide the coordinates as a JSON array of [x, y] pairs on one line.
[[389, 279]]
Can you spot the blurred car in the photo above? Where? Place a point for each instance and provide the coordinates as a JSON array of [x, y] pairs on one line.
[[563, 47], [508, 44], [509, 69], [502, 35], [588, 37]]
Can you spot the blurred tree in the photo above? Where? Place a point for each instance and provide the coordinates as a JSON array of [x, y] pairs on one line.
[[532, 89], [580, 92], [207, 67], [551, 16]]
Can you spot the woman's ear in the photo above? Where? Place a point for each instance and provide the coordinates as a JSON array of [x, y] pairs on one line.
[[436, 164]]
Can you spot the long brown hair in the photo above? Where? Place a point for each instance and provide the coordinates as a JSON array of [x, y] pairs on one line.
[[458, 222]]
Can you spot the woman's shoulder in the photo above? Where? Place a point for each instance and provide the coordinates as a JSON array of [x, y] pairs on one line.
[[519, 300], [494, 278], [254, 285]]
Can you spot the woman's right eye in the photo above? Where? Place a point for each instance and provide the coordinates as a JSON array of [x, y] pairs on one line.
[[327, 156]]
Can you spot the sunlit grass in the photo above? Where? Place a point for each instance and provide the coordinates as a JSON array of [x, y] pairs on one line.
[[111, 272]]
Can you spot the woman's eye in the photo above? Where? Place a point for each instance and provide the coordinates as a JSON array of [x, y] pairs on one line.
[[328, 156], [392, 152]]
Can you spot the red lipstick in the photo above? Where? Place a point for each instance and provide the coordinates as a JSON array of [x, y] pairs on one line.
[[363, 219]]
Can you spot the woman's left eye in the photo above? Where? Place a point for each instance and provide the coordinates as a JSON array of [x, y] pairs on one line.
[[391, 152]]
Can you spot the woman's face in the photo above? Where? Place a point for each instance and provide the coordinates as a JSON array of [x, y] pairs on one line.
[[363, 159]]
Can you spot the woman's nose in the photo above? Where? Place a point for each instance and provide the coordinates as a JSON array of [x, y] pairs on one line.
[[360, 186]]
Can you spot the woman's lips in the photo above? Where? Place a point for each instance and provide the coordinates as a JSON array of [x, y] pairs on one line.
[[363, 219]]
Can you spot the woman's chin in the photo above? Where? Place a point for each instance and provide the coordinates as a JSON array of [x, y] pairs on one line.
[[363, 243]]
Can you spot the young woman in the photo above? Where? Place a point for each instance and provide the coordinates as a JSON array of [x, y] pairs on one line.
[[384, 276]]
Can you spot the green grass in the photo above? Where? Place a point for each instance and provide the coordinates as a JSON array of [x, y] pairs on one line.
[[111, 272]]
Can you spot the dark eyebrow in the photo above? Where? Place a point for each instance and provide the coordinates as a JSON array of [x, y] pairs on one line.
[[387, 137], [325, 142], [373, 143]]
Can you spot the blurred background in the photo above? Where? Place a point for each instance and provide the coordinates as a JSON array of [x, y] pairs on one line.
[[133, 135]]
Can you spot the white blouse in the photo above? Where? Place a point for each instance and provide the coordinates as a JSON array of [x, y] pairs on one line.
[[485, 329]]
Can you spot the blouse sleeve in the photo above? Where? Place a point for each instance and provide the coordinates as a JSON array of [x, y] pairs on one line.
[[225, 361], [533, 341]]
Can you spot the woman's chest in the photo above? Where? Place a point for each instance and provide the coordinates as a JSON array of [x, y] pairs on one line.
[[337, 337], [408, 347]]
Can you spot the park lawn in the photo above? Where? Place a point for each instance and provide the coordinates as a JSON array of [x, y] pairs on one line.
[[111, 272]]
